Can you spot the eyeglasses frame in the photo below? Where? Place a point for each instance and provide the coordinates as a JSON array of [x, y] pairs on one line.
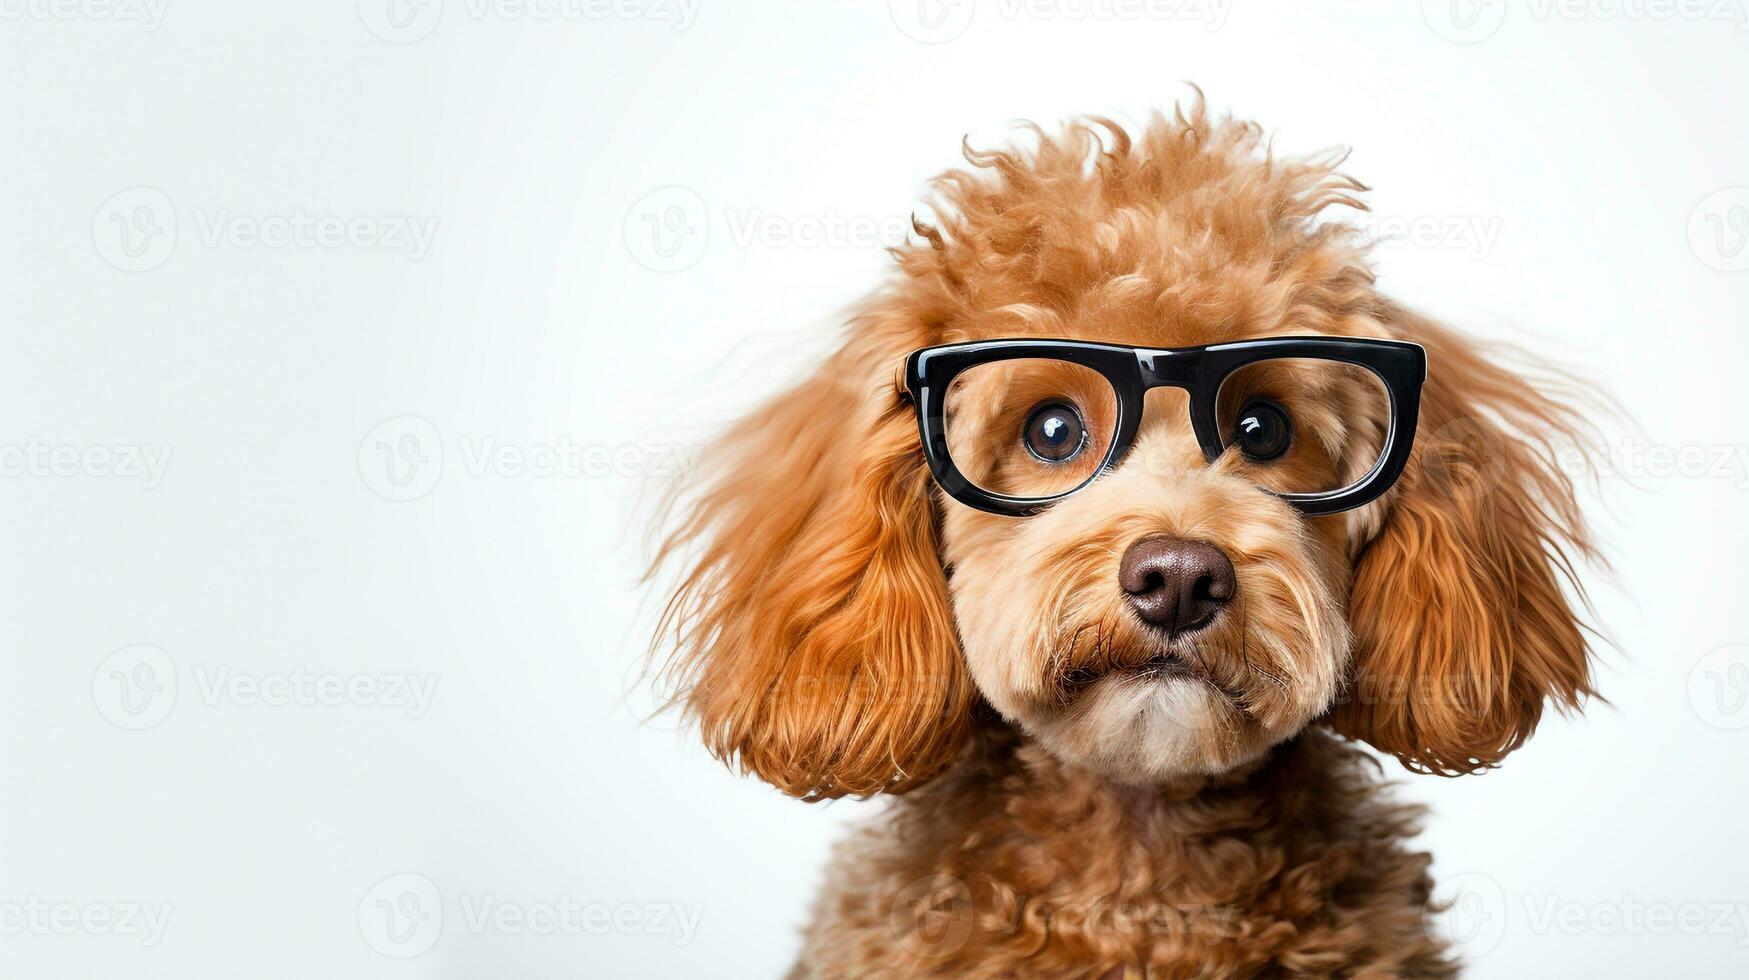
[[1199, 371]]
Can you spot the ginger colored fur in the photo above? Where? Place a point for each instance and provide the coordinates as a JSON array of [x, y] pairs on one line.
[[840, 627], [1014, 864]]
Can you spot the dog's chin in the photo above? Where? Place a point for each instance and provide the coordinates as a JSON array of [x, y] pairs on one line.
[[1146, 727]]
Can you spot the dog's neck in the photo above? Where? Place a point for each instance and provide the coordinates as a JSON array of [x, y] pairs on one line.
[[1008, 766], [1017, 857], [1146, 802]]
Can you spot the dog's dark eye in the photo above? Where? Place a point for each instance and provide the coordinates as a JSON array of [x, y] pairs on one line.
[[1263, 431], [1054, 432]]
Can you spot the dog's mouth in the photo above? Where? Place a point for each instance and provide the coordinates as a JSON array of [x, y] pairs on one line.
[[1159, 665], [1162, 666]]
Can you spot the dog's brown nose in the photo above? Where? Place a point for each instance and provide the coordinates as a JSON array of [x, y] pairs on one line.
[[1175, 584]]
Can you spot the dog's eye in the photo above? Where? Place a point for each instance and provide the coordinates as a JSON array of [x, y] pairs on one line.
[[1262, 431], [1054, 432]]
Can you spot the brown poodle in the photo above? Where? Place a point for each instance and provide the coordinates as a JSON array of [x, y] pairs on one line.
[[1106, 608]]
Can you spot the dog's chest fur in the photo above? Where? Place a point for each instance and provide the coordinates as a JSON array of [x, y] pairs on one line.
[[1014, 865]]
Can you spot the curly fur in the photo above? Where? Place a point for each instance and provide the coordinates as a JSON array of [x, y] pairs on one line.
[[841, 628], [1016, 865]]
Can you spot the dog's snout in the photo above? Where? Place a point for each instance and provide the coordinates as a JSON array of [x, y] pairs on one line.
[[1176, 584]]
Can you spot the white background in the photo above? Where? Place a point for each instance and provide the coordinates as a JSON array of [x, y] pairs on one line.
[[1565, 163]]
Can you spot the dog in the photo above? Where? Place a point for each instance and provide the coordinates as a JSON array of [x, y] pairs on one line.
[[1105, 600]]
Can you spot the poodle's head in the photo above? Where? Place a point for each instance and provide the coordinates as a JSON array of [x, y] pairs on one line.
[[843, 625]]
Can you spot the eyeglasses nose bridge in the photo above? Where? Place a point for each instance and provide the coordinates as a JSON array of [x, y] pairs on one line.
[[1165, 368], [1182, 369]]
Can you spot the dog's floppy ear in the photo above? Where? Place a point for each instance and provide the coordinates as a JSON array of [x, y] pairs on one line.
[[1462, 627], [814, 641]]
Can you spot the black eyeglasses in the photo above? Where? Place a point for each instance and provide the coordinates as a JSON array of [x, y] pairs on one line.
[[1012, 426]]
